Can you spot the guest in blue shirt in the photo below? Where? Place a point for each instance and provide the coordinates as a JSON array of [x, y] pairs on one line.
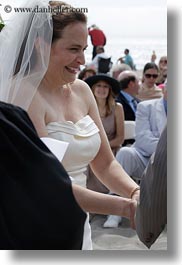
[[129, 86], [127, 59]]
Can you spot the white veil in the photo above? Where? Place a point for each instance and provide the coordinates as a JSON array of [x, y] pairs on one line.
[[25, 44]]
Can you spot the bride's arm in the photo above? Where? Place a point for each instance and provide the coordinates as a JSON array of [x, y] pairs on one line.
[[105, 166], [99, 203]]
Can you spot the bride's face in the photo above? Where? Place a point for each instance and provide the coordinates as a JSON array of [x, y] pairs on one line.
[[67, 53]]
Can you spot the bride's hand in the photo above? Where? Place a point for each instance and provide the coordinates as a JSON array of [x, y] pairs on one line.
[[136, 195], [133, 207]]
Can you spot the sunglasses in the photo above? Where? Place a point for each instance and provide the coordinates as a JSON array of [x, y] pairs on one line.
[[149, 76], [163, 61]]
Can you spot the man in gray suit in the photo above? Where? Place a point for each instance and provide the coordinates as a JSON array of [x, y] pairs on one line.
[[151, 117], [151, 214]]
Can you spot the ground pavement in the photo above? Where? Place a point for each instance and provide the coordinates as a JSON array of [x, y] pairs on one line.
[[120, 238]]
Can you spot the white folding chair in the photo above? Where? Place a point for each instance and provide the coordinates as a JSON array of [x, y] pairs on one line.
[[129, 130]]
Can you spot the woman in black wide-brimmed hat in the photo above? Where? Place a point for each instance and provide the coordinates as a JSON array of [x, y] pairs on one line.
[[104, 88]]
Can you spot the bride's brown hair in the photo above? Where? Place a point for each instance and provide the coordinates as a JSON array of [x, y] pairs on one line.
[[63, 15]]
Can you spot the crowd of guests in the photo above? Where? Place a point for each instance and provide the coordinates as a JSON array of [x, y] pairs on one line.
[[142, 99]]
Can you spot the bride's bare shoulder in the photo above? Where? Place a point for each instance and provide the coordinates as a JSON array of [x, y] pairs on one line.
[[81, 87]]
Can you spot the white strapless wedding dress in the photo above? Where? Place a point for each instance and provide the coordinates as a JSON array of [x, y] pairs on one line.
[[84, 142]]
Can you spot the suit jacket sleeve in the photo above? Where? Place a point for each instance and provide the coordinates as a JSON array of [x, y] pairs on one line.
[[151, 215], [145, 140]]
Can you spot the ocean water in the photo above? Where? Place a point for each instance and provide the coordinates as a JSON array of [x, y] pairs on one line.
[[140, 49]]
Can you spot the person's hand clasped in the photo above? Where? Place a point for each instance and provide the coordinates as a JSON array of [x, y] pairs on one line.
[[135, 196], [133, 207]]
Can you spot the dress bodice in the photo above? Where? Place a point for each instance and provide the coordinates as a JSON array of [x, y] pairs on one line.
[[84, 142], [109, 125]]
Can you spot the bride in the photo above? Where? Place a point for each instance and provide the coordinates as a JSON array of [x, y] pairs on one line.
[[44, 53]]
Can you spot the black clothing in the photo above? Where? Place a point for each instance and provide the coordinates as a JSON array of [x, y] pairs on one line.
[[128, 113], [37, 206]]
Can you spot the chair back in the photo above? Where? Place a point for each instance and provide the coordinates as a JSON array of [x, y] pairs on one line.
[[129, 130], [104, 65]]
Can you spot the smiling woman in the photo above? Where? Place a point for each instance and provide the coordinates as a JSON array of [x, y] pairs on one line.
[[39, 74], [67, 54]]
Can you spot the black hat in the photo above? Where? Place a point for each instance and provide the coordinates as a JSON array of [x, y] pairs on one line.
[[103, 77]]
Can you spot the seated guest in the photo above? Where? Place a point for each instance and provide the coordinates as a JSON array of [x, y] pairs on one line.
[[127, 96], [162, 70], [151, 117], [100, 53], [148, 88], [119, 68], [86, 72], [150, 120], [163, 76], [112, 117]]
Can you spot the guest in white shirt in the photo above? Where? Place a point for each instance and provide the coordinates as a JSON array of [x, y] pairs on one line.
[[100, 54]]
